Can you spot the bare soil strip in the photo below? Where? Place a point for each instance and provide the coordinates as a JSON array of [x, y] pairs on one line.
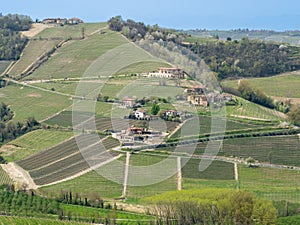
[[126, 175], [179, 174]]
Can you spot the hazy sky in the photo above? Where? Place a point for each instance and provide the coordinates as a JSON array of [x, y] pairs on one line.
[[211, 14]]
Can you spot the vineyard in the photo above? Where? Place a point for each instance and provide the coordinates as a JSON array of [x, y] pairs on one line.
[[203, 124], [65, 32], [33, 50], [65, 160], [216, 171], [285, 85], [4, 65], [33, 142], [42, 104], [273, 184], [249, 110], [4, 178]]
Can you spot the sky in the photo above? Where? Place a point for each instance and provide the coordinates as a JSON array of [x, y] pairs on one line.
[[179, 14]]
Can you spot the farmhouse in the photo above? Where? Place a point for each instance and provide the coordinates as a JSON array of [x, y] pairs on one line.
[[140, 114], [62, 21], [198, 89], [163, 72], [138, 136], [171, 113], [129, 102], [198, 100], [75, 21], [54, 21]]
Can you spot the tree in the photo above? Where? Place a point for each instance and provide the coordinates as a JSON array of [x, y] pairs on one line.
[[294, 115], [155, 109], [250, 161]]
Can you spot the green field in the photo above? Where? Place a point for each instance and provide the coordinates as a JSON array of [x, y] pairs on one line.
[[203, 124], [73, 59], [33, 142], [273, 184], [87, 184], [286, 85], [136, 193], [216, 171], [33, 50], [27, 102], [4, 220], [3, 65], [122, 217], [249, 110], [74, 31], [282, 150], [142, 67], [190, 183], [69, 87], [4, 178]]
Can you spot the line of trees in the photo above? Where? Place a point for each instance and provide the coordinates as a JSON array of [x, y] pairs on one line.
[[255, 95], [294, 115], [11, 41]]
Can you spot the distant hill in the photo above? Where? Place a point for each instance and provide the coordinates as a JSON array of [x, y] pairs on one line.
[[290, 37]]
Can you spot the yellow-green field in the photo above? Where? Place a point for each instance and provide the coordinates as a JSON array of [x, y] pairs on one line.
[[33, 142], [27, 102], [286, 85]]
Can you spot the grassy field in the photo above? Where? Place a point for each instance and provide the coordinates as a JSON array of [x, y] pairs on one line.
[[273, 184], [190, 183], [73, 59], [136, 193], [3, 65], [33, 50], [122, 217], [33, 142], [74, 31], [69, 87], [27, 102], [4, 178], [142, 67], [216, 171], [286, 85], [87, 184]]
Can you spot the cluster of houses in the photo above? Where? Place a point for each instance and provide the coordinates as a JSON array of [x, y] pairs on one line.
[[62, 21], [198, 96], [138, 136]]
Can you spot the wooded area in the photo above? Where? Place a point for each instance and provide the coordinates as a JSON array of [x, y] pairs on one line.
[[11, 41]]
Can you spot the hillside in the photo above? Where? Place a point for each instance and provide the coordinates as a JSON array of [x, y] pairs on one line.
[[291, 37], [109, 122]]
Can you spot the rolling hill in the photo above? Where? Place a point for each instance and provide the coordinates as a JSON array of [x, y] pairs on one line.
[[60, 158]]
